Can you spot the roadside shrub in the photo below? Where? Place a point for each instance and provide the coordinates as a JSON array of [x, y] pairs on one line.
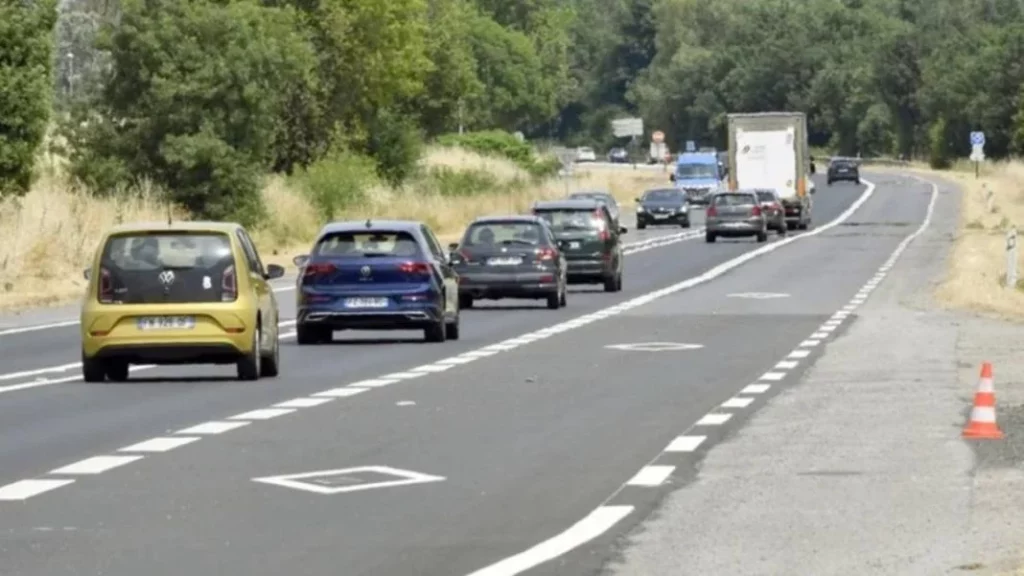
[[505, 145], [339, 180], [939, 152], [448, 182], [396, 144]]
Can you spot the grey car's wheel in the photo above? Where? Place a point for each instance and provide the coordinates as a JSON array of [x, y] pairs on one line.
[[762, 236], [249, 367], [640, 225], [465, 302], [686, 223], [709, 237], [562, 301]]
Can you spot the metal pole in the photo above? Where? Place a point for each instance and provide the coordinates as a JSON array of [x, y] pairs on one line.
[[1011, 257]]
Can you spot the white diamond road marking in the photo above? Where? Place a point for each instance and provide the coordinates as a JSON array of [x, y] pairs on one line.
[[213, 428], [686, 443], [295, 481], [160, 444], [96, 464], [651, 476]]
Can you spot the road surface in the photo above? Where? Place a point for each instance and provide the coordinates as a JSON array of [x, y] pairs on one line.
[[534, 442]]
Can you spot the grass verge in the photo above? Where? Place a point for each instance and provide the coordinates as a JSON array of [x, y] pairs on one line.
[[975, 280], [48, 236]]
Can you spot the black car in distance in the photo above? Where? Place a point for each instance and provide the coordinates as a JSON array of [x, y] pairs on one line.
[[590, 241], [509, 257], [662, 206], [840, 169]]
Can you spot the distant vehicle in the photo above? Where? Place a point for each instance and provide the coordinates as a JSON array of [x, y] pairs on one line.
[[840, 169], [376, 275], [768, 150], [662, 206], [510, 257], [618, 156], [183, 293], [735, 214], [590, 242], [585, 154], [603, 196], [771, 205], [698, 174]]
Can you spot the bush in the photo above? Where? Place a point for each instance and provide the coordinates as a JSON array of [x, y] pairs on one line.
[[504, 145], [396, 144], [337, 181], [445, 181]]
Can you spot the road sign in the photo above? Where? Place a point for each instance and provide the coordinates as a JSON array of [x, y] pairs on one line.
[[655, 347], [977, 153], [691, 146], [658, 137], [628, 127], [977, 138], [349, 479]]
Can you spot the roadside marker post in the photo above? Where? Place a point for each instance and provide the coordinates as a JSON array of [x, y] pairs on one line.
[[977, 151]]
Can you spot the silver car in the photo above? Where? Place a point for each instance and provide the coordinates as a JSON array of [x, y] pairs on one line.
[[735, 214], [771, 206]]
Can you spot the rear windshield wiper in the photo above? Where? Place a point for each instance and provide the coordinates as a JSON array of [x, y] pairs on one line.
[[518, 241]]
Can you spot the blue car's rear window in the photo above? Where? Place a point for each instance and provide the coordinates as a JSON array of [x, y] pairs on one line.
[[368, 244]]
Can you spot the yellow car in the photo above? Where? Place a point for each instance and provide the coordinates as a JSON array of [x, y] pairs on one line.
[[182, 293]]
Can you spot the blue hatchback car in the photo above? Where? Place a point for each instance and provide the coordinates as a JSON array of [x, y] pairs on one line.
[[376, 275]]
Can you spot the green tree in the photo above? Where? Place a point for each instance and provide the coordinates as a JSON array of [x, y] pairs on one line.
[[198, 100], [26, 56]]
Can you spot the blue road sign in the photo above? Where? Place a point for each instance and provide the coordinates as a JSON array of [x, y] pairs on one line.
[[691, 146], [977, 138]]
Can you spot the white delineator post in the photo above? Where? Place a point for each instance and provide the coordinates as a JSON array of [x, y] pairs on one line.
[[1011, 257]]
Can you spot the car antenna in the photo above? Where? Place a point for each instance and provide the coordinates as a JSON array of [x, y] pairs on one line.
[[368, 223]]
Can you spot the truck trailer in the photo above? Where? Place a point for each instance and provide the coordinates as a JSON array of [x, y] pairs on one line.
[[769, 150]]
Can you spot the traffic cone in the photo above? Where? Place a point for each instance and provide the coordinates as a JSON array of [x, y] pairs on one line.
[[982, 425]]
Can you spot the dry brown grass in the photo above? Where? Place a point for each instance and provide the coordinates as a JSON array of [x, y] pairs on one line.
[[48, 236], [977, 264]]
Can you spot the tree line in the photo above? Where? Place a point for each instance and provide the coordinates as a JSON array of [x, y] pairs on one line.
[[206, 97]]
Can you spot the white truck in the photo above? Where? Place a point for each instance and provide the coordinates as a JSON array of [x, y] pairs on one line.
[[769, 150]]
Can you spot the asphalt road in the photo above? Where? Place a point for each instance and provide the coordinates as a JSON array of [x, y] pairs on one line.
[[525, 425]]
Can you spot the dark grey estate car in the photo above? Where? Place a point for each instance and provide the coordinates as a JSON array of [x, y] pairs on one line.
[[735, 214]]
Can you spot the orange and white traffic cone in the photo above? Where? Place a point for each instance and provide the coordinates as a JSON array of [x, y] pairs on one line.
[[982, 425]]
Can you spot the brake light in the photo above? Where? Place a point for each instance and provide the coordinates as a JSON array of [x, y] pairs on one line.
[[711, 211], [317, 268], [604, 234], [229, 285], [106, 289], [755, 211], [546, 254], [415, 267]]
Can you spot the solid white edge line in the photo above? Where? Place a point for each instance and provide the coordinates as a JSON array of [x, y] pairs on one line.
[[593, 525], [651, 476], [303, 402], [343, 392]]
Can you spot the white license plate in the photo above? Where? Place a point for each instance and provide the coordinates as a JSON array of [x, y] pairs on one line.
[[661, 216], [574, 245], [505, 261], [165, 322], [366, 302]]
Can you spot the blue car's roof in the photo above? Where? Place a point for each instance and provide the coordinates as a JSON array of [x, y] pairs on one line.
[[698, 158], [410, 226]]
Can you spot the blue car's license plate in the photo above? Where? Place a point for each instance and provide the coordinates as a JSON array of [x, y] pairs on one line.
[[366, 302]]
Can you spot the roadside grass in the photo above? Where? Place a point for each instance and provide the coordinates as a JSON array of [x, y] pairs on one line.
[[48, 236], [977, 264]]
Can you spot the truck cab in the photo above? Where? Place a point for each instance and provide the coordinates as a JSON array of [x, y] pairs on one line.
[[698, 174]]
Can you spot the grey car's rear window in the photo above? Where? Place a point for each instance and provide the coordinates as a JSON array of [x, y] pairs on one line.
[[766, 196], [483, 233], [734, 199]]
